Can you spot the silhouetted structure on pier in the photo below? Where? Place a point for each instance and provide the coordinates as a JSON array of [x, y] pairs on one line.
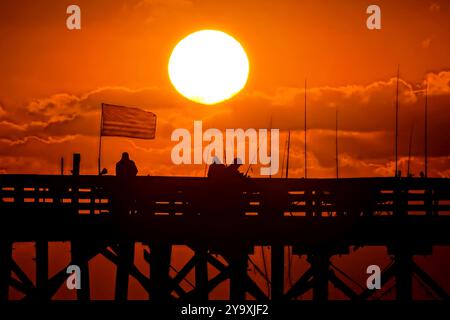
[[319, 218]]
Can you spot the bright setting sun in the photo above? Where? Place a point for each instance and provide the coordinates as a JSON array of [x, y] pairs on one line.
[[208, 67]]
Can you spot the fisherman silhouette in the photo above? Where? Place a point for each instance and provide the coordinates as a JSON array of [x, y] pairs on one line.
[[224, 206], [237, 182], [126, 168], [124, 205], [224, 194], [216, 169], [232, 171]]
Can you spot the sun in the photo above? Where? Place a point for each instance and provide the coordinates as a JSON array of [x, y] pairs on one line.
[[208, 67]]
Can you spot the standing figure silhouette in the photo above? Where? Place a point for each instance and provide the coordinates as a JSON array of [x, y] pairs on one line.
[[124, 205], [125, 195], [126, 168]]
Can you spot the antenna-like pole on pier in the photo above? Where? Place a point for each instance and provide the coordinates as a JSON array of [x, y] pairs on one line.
[[288, 152], [99, 159], [409, 150], [426, 131], [337, 145], [396, 124], [306, 155], [270, 146]]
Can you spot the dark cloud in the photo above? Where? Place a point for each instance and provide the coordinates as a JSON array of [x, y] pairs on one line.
[[63, 123]]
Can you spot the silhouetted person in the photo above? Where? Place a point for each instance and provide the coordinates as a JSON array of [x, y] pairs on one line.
[[124, 205], [126, 168], [233, 185], [216, 169], [223, 189], [125, 196], [422, 174], [214, 190], [232, 171]]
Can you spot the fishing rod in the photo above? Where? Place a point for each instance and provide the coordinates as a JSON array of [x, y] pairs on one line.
[[257, 149]]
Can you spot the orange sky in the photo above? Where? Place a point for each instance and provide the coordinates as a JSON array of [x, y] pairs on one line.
[[53, 80]]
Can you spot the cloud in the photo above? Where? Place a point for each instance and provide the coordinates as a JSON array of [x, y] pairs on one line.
[[425, 44], [59, 106], [438, 83], [46, 129], [2, 111], [156, 10], [48, 140], [434, 7], [163, 3], [63, 114], [362, 108]]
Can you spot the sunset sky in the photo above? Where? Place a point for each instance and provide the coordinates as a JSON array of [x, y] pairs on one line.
[[53, 80]]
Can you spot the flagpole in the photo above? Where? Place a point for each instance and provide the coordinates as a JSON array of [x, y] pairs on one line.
[[408, 171], [270, 146], [100, 143], [284, 157], [306, 158], [396, 124], [426, 131], [337, 145], [207, 160], [288, 153]]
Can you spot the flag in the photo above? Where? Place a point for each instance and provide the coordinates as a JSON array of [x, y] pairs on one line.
[[119, 121]]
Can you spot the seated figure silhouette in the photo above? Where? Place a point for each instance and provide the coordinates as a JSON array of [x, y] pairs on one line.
[[232, 171], [126, 168], [216, 169], [224, 189]]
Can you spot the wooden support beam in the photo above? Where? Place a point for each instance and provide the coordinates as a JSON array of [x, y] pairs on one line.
[[42, 270], [238, 265], [125, 256], [320, 265], [5, 268], [161, 254], [277, 276], [403, 275], [201, 273]]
